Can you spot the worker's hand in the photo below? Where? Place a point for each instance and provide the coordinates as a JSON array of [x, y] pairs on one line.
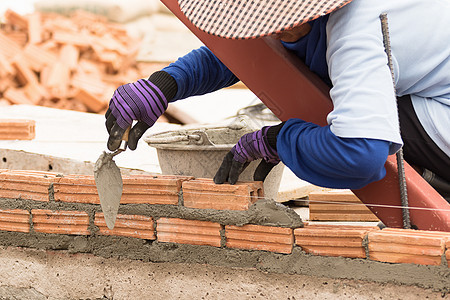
[[142, 101], [251, 146]]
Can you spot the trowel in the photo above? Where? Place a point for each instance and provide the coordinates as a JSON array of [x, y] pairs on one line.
[[109, 182]]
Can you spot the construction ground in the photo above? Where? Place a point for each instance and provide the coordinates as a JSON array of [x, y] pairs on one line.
[[177, 236]]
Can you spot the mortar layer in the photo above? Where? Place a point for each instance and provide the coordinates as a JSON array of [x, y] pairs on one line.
[[263, 212], [432, 277]]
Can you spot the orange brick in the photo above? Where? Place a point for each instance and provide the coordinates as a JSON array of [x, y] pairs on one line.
[[15, 19], [35, 93], [69, 54], [78, 39], [407, 246], [257, 237], [205, 194], [37, 57], [340, 226], [24, 184], [23, 71], [8, 47], [17, 96], [17, 129], [447, 252], [60, 222], [19, 37], [93, 103], [76, 188], [172, 230], [345, 241], [338, 205], [34, 28], [5, 66], [128, 225], [152, 189], [15, 220], [58, 79]]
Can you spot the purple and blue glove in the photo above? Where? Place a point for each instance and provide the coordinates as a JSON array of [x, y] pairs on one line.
[[250, 147], [144, 101]]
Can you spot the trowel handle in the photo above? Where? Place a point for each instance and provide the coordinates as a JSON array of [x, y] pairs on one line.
[[126, 133], [124, 143]]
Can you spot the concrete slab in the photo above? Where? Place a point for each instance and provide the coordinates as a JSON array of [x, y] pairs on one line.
[[76, 135]]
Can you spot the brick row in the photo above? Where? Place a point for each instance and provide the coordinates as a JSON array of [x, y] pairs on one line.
[[257, 237], [174, 230], [329, 240], [388, 245], [205, 194]]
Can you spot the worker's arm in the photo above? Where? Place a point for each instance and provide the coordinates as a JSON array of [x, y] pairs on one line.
[[312, 152], [318, 156], [199, 72]]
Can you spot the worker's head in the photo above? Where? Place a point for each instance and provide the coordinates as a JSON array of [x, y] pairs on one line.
[[244, 19]]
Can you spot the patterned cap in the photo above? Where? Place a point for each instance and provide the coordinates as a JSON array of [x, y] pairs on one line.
[[247, 19]]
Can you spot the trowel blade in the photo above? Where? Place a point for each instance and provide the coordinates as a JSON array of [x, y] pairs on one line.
[[109, 187]]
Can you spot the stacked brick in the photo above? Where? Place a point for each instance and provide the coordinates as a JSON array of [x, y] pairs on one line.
[[338, 205], [70, 63], [76, 211]]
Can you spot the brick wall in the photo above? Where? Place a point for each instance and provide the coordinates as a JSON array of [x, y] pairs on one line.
[[35, 202]]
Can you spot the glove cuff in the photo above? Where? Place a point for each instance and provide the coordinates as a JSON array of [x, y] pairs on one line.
[[272, 134], [165, 83]]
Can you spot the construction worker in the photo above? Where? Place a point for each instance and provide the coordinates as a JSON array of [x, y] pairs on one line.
[[342, 42]]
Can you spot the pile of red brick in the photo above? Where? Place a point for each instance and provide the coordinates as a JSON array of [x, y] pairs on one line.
[[70, 63]]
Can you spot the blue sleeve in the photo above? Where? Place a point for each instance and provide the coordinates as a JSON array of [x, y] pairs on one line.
[[318, 156], [199, 72]]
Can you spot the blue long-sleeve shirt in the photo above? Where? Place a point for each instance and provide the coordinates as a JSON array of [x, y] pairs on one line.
[[312, 152]]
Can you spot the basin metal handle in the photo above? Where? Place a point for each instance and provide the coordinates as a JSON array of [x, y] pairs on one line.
[[197, 137]]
